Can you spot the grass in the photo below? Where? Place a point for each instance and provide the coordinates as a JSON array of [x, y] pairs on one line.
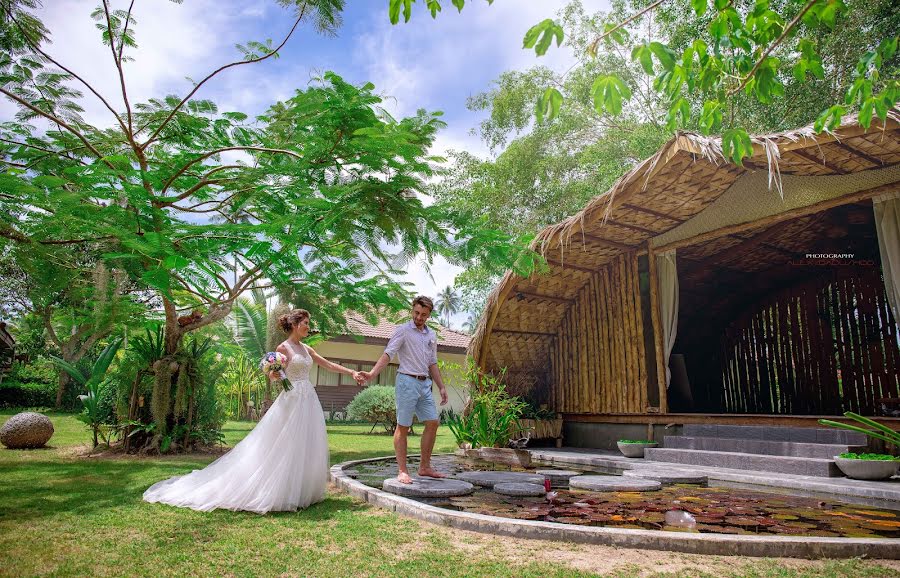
[[68, 515]]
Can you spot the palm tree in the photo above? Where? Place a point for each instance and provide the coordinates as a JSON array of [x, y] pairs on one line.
[[470, 323], [448, 303], [250, 325]]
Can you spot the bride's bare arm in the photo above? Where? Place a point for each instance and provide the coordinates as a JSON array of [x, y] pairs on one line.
[[330, 365], [283, 350]]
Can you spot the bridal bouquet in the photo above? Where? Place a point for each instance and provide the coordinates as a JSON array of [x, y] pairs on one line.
[[274, 361]]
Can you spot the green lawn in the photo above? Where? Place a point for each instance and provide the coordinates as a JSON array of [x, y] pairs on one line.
[[65, 514]]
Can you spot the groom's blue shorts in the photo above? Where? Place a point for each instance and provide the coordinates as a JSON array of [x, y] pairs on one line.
[[414, 397]]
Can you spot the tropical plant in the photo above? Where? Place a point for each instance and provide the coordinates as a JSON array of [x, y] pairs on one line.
[[747, 49], [375, 404], [92, 414], [447, 304], [470, 323], [250, 325], [242, 384], [492, 415], [872, 428]]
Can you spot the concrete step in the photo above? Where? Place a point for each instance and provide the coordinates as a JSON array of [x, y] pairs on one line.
[[741, 461], [810, 435], [763, 447]]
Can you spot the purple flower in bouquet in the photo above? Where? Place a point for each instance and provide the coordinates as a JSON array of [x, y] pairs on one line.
[[274, 361]]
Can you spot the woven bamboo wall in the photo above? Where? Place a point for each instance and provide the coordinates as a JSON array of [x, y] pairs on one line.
[[598, 359], [817, 349]]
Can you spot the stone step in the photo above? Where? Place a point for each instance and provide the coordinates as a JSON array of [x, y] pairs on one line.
[[742, 461], [773, 433], [763, 447]]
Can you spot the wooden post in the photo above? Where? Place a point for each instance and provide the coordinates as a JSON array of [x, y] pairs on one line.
[[657, 330]]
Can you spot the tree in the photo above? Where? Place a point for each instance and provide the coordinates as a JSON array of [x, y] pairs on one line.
[[470, 323], [322, 195], [75, 298], [750, 48], [448, 303], [548, 171]]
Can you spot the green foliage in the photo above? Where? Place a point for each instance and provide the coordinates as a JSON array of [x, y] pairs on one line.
[[94, 415], [635, 442], [878, 457], [868, 426], [492, 416], [448, 303], [540, 36], [375, 404], [26, 394], [745, 47]]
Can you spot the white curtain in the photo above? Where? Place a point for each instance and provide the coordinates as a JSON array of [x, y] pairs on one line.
[[887, 224], [668, 303]]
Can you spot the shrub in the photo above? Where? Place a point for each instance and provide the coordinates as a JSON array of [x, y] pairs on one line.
[[29, 394], [375, 404]]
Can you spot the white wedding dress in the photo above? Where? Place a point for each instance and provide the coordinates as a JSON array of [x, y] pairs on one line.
[[281, 465]]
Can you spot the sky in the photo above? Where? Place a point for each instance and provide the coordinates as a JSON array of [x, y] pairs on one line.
[[431, 64]]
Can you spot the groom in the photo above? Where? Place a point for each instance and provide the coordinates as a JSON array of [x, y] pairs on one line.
[[415, 344]]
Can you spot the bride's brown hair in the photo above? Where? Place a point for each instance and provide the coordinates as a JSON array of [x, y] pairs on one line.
[[288, 320]]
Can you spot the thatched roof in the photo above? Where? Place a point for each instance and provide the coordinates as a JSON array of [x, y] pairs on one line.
[[653, 204]]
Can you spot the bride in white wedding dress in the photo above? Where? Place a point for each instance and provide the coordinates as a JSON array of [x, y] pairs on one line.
[[282, 464]]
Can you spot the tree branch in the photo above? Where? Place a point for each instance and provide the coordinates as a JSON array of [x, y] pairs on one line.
[[593, 45], [58, 121], [771, 47], [117, 59], [217, 71], [37, 49], [205, 156]]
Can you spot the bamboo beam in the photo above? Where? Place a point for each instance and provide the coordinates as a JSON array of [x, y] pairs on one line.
[[522, 296], [515, 332], [607, 242], [637, 228], [861, 154], [647, 211], [781, 217], [561, 265], [817, 161]]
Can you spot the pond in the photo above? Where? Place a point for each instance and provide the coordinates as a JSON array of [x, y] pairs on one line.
[[675, 507]]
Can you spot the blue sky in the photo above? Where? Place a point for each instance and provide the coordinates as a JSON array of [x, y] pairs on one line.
[[431, 64]]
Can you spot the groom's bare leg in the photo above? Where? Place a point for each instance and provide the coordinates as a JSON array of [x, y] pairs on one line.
[[428, 437], [400, 434]]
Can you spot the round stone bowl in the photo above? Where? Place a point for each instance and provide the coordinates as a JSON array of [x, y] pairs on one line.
[[814, 547], [634, 450], [867, 469]]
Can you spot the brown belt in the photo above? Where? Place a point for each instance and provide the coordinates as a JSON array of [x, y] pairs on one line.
[[419, 377]]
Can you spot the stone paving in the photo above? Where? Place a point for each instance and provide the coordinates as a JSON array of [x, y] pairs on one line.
[[880, 494], [428, 487], [519, 489], [613, 484]]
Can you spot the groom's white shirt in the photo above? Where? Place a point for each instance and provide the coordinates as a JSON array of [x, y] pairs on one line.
[[416, 350]]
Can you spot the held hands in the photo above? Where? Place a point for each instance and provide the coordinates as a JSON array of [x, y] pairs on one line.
[[361, 377]]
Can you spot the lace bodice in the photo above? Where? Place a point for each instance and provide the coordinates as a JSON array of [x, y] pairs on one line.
[[297, 370]]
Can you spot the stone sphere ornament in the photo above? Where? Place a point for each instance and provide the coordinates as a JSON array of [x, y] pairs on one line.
[[26, 430]]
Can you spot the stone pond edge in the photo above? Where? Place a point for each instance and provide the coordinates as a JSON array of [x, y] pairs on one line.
[[810, 547]]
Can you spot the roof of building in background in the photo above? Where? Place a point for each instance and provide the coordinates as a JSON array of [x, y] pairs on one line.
[[446, 337]]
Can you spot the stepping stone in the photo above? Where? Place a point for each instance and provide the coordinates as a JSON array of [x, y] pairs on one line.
[[668, 476], [519, 489], [488, 479], [613, 484], [428, 488], [558, 477]]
